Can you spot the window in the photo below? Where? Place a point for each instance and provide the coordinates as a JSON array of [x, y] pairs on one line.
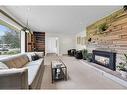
[[9, 41]]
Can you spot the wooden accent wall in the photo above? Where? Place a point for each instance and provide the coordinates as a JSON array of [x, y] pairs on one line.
[[114, 38], [35, 42], [39, 41], [29, 39]]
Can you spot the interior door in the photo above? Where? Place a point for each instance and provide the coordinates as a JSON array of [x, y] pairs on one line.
[[52, 45]]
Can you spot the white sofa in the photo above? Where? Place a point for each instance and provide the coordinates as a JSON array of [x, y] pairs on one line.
[[20, 72]]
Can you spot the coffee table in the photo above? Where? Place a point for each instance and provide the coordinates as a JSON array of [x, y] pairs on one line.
[[58, 70]]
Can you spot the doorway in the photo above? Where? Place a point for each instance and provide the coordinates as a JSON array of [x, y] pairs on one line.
[[52, 45]]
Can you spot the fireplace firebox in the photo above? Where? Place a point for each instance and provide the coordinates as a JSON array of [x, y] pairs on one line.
[[105, 58]]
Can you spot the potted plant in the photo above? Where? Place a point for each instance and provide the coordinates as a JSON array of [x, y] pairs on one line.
[[89, 40], [89, 57], [103, 27], [123, 67], [125, 7], [84, 53]]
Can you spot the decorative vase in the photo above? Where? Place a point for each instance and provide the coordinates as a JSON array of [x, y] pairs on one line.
[[123, 74]]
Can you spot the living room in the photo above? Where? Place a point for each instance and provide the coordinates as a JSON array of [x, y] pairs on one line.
[[63, 47]]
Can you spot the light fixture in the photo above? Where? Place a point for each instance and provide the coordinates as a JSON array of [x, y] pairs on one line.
[[27, 29]]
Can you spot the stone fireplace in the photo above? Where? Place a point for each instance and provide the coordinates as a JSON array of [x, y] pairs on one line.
[[105, 58]]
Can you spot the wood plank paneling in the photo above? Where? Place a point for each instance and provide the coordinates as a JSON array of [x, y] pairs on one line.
[[35, 42], [39, 41], [115, 37]]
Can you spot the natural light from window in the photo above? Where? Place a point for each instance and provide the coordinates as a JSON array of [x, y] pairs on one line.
[[9, 41]]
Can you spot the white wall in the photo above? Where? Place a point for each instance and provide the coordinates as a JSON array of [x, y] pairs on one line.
[[8, 20], [66, 41], [22, 42], [79, 46]]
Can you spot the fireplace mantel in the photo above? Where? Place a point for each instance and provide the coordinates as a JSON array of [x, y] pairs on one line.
[[107, 54]]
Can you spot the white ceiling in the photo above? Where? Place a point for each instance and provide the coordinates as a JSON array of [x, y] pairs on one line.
[[63, 19]]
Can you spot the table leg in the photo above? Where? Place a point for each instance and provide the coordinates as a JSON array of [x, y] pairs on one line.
[[66, 73]]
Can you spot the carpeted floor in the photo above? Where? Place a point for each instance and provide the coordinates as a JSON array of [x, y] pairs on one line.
[[80, 76]]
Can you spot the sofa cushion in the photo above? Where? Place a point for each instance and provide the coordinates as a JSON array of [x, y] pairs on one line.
[[32, 72], [9, 63], [16, 61], [20, 61], [37, 62], [30, 54], [3, 66], [33, 68]]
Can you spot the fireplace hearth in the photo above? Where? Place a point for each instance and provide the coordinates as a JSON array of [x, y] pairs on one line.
[[105, 58]]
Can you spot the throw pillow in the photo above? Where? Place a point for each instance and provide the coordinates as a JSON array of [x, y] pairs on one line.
[[34, 57], [40, 54], [30, 54]]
